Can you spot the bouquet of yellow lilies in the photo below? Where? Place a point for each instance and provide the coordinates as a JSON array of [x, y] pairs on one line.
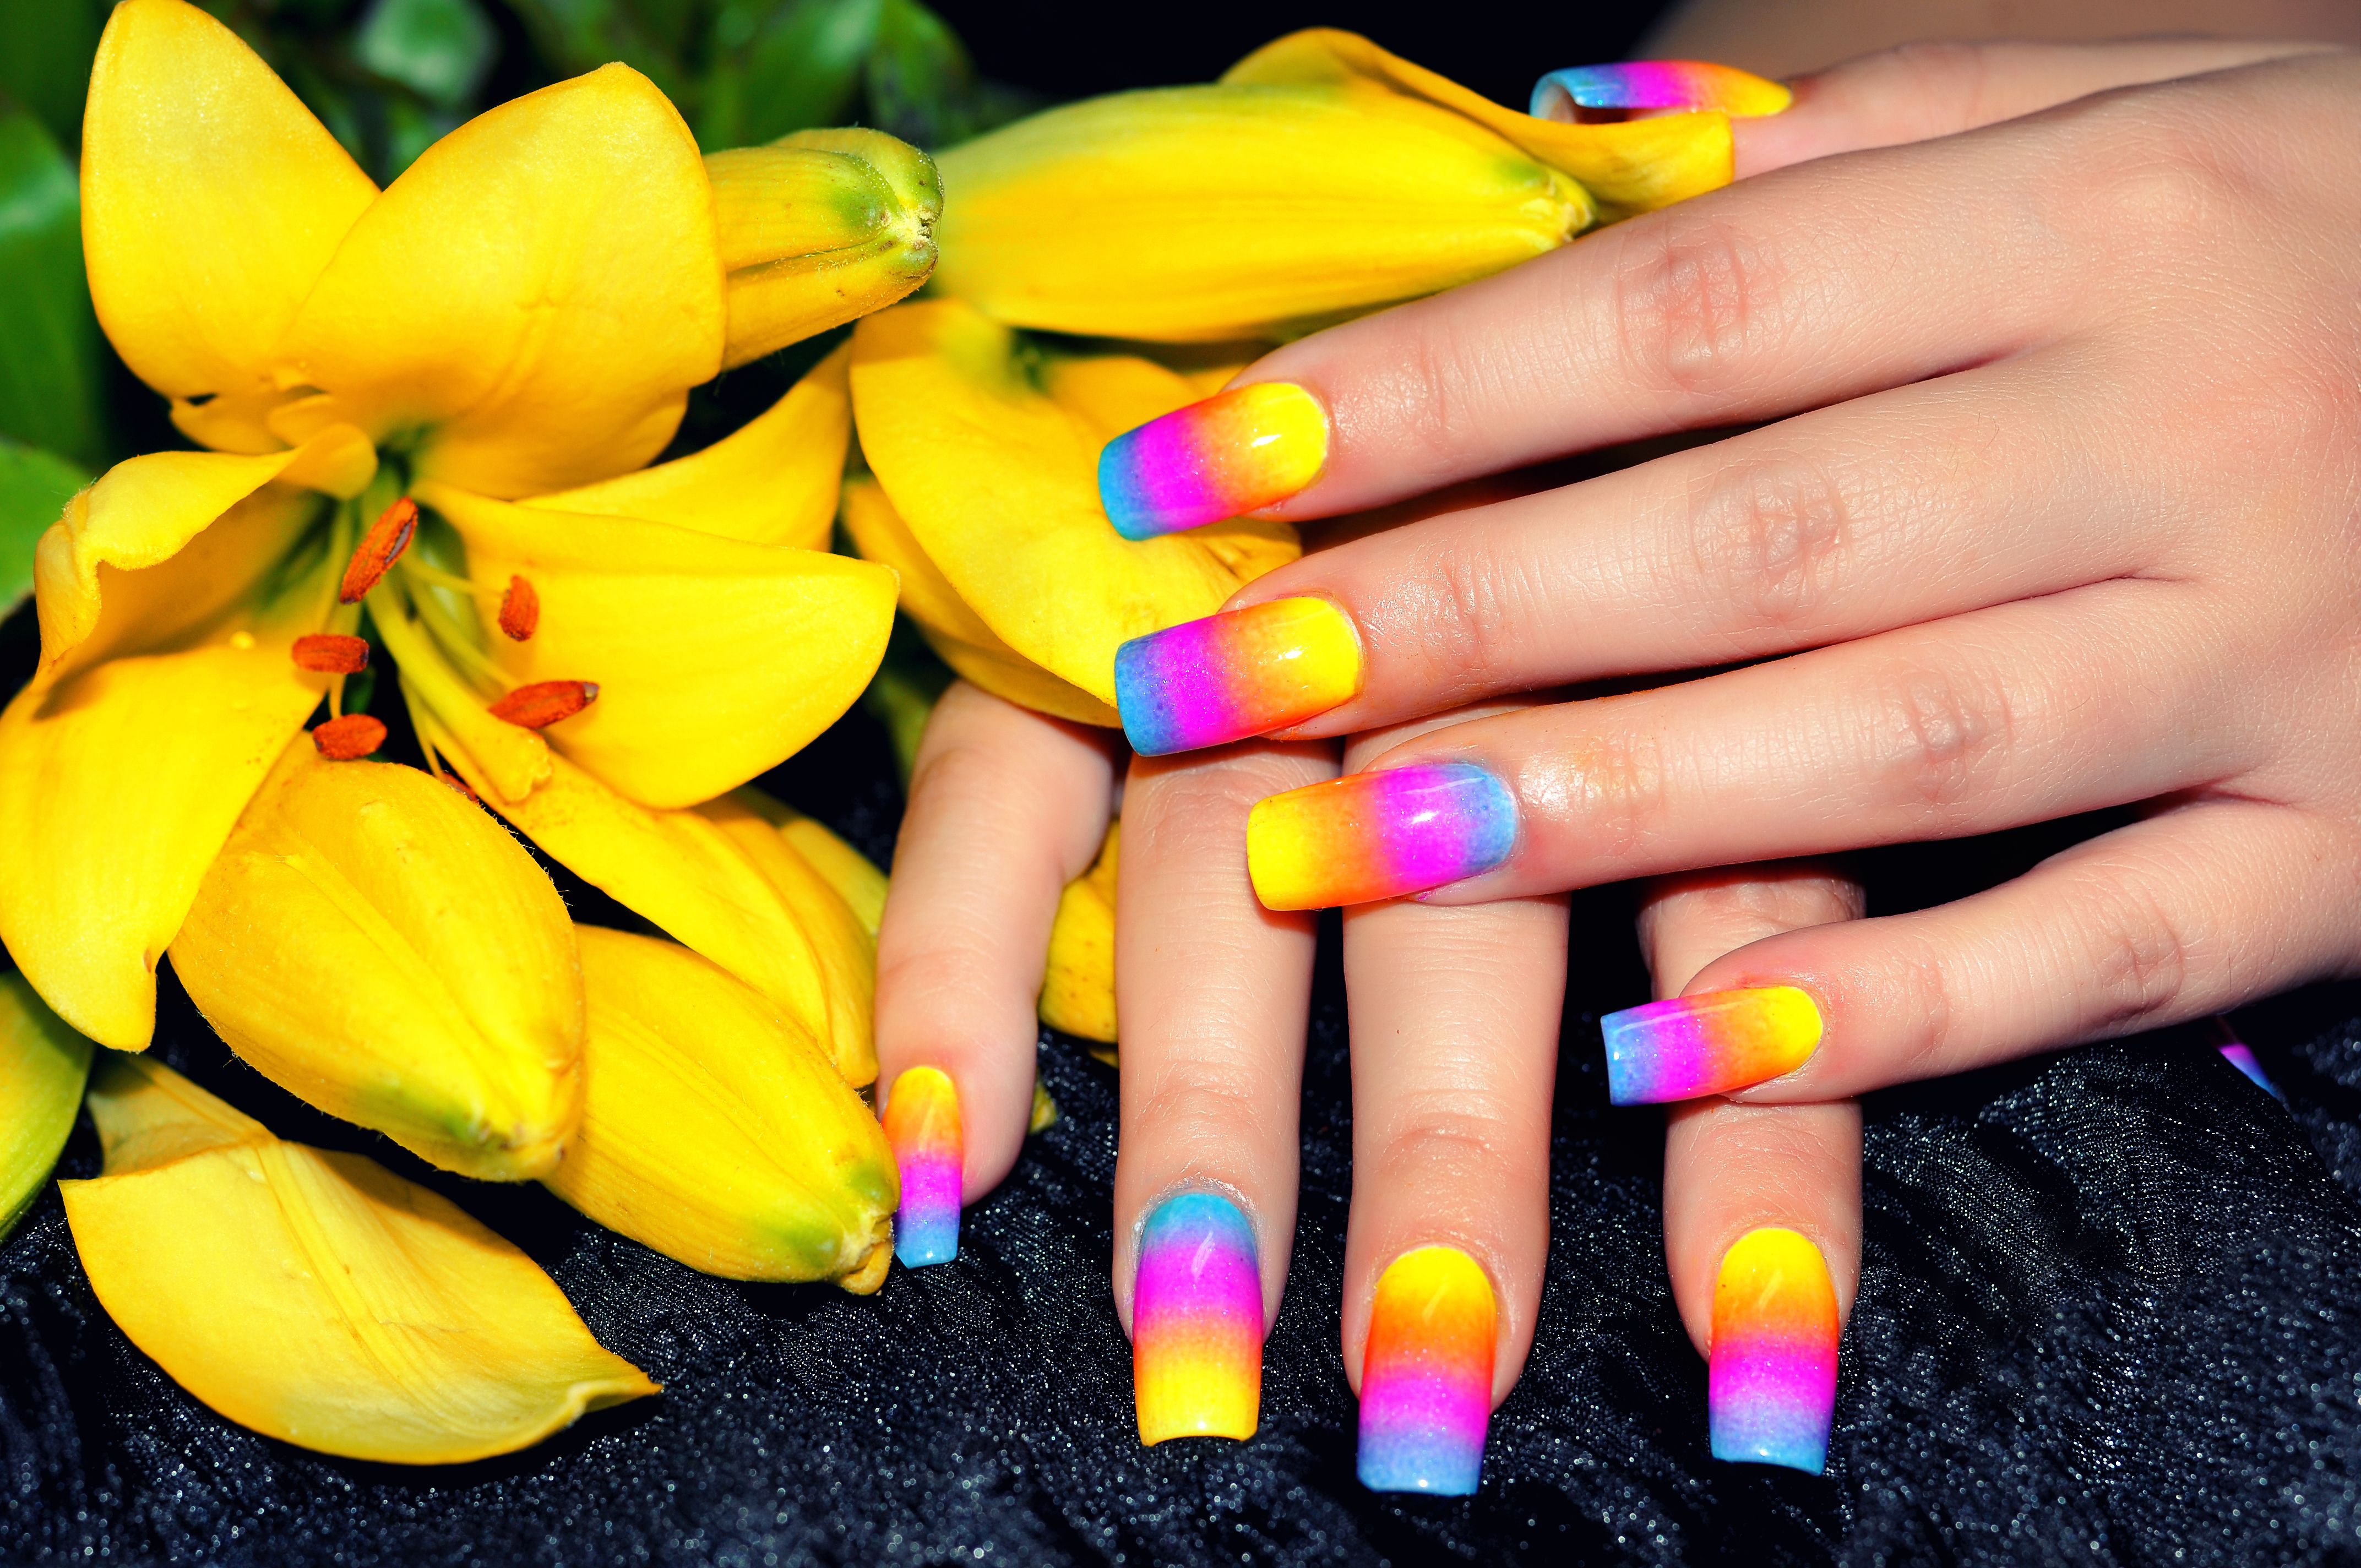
[[428, 416]]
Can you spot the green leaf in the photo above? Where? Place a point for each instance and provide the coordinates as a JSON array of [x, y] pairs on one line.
[[51, 380], [34, 488], [801, 67], [919, 75], [440, 50], [43, 1065], [576, 36], [45, 52]]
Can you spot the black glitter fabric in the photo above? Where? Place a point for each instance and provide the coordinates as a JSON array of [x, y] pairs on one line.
[[2107, 1314]]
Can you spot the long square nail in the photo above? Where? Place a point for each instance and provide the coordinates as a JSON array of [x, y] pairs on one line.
[[1426, 1376], [1772, 1386], [1196, 1322], [1381, 835], [1712, 1042], [922, 1124], [1235, 453], [1241, 673]]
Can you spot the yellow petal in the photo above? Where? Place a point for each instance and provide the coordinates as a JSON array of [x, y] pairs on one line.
[[373, 943], [42, 1065], [818, 228], [210, 200], [845, 947], [774, 481], [1633, 166], [1077, 986], [715, 659], [317, 1297], [148, 511], [997, 482], [856, 879], [536, 294], [507, 761], [681, 872], [121, 774], [716, 1132], [1198, 213]]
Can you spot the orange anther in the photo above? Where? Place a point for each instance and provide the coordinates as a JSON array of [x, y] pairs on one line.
[[543, 703], [354, 735], [520, 609], [380, 547], [331, 654]]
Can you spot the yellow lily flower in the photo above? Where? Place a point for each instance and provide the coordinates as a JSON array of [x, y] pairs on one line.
[[985, 453], [316, 1296], [509, 331], [1320, 177]]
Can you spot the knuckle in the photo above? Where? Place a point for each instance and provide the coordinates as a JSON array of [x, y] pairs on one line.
[[2136, 960], [1771, 540], [1440, 1135], [1197, 1102], [1612, 782], [1693, 298], [1485, 601], [1945, 732]]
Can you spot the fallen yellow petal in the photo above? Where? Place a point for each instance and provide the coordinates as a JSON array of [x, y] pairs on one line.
[[317, 1297], [715, 1131], [996, 481], [43, 1066], [1078, 985], [377, 944]]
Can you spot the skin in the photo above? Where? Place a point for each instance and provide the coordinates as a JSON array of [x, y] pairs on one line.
[[2007, 297]]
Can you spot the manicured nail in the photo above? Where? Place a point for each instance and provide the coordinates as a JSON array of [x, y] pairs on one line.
[[1658, 84], [1426, 1377], [1711, 1043], [1235, 453], [1772, 1387], [1244, 672], [2240, 1055], [922, 1123], [1196, 1322], [1371, 836]]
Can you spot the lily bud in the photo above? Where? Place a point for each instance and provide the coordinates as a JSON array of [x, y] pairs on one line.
[[1322, 177], [820, 228], [379, 945], [716, 1130], [316, 1296]]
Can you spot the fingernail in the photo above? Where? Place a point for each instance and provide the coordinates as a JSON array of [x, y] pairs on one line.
[[922, 1123], [1426, 1377], [1235, 453], [1657, 85], [1381, 835], [1772, 1387], [1244, 672], [1711, 1043], [1196, 1322]]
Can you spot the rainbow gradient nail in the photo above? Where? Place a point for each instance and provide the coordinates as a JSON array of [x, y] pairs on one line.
[[1382, 835], [1244, 672], [1771, 1389], [1196, 1322], [922, 1123], [1236, 452], [1426, 1376], [1711, 1043], [1657, 85]]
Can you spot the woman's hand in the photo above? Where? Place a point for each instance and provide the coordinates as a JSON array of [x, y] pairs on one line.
[[2060, 513]]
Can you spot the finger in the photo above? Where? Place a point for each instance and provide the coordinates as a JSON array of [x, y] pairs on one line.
[[1921, 90], [1762, 1236], [1761, 1202], [1800, 287], [1005, 807], [2011, 715], [2173, 917], [1212, 993], [1454, 1016]]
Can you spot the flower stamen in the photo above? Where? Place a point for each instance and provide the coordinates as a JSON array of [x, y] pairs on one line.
[[330, 654], [380, 547], [520, 609], [543, 703], [354, 735]]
